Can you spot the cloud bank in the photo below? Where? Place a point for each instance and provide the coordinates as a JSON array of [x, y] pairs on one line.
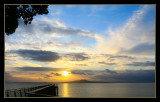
[[127, 76], [147, 63], [38, 55]]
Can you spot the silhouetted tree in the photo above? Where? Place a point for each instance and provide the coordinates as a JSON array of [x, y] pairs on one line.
[[14, 12]]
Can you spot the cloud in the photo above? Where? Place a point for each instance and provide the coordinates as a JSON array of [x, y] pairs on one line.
[[121, 68], [144, 48], [56, 74], [107, 63], [136, 31], [47, 76], [121, 56], [39, 69], [50, 75], [81, 64], [65, 31], [153, 68], [38, 55], [51, 27], [76, 56], [118, 75], [55, 11], [128, 76], [147, 63], [112, 72], [10, 78], [47, 34], [48, 56], [73, 43], [83, 72]]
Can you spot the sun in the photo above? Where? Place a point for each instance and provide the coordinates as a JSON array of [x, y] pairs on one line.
[[65, 73]]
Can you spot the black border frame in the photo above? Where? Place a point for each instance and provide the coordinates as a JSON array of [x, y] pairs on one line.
[[2, 99]]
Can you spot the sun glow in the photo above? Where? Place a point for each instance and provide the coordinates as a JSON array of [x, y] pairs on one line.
[[65, 73]]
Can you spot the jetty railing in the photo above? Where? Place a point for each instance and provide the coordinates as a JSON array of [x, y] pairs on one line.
[[48, 90]]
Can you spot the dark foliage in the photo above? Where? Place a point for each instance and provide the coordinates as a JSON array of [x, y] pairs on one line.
[[14, 12]]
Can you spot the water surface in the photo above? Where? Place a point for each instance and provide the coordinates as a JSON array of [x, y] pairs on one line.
[[99, 90]]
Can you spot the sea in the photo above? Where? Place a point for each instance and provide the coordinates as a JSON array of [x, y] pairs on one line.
[[94, 90]]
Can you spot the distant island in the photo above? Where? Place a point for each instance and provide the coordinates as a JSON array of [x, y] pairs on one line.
[[76, 81], [85, 81]]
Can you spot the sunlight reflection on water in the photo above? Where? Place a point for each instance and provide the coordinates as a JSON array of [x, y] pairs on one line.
[[65, 90], [106, 89]]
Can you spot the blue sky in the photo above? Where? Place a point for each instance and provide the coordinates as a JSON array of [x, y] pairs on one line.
[[84, 40]]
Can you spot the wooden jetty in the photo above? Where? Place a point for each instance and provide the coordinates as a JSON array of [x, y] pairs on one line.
[[49, 90]]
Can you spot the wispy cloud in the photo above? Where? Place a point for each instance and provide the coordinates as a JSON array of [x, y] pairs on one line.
[[56, 74], [51, 27], [39, 69], [83, 72], [10, 78], [76, 56], [107, 63], [147, 63], [133, 33], [144, 48], [112, 72]]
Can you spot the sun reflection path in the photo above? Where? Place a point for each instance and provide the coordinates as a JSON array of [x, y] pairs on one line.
[[65, 90]]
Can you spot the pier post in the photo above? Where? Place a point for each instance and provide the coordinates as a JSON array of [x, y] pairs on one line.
[[15, 93], [57, 91], [24, 92], [20, 93]]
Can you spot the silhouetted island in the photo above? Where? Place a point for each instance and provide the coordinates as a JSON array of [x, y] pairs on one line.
[[85, 81]]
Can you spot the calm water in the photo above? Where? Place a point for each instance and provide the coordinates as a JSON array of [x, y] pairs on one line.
[[97, 89]]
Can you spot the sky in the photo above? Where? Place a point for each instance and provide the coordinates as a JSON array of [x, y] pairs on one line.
[[109, 43]]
